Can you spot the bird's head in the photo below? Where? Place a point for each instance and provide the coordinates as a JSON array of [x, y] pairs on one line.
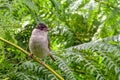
[[42, 27]]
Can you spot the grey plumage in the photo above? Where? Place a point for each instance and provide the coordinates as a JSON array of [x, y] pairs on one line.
[[38, 43]]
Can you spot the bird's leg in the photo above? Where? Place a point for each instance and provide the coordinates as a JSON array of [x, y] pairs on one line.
[[31, 55]]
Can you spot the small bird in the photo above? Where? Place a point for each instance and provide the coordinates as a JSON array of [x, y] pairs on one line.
[[39, 43]]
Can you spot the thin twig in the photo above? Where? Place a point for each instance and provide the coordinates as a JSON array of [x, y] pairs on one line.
[[27, 53]]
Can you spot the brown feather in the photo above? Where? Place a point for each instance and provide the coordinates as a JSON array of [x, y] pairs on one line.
[[51, 56]]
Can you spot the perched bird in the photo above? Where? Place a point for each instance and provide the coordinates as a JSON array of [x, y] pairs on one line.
[[39, 43]]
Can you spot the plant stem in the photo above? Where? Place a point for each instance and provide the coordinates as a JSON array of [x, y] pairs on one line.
[[28, 54]]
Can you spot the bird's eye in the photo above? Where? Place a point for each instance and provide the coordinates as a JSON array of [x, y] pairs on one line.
[[42, 27]]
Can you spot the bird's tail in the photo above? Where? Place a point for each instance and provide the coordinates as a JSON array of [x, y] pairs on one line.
[[51, 56]]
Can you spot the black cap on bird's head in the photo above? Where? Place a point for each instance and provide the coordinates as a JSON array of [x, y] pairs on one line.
[[42, 26]]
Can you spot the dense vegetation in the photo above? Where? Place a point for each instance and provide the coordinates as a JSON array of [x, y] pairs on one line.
[[84, 38]]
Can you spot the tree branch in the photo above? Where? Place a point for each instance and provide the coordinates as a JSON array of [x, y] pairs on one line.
[[27, 53]]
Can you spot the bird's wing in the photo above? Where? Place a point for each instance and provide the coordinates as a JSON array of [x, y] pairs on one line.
[[51, 56], [49, 44]]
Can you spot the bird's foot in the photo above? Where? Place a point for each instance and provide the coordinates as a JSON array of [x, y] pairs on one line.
[[43, 63]]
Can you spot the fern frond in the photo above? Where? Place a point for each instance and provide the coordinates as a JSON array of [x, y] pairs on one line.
[[83, 64], [37, 70], [111, 64], [64, 68], [90, 58], [96, 44]]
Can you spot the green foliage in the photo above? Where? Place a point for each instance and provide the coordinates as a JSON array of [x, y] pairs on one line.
[[82, 36]]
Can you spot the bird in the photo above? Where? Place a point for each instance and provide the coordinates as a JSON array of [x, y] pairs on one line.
[[39, 44]]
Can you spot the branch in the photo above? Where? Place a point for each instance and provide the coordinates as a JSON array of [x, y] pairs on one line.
[[27, 53]]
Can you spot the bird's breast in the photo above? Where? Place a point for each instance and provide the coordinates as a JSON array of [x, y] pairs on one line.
[[39, 46]]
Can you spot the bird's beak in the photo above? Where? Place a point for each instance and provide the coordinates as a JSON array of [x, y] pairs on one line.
[[46, 29]]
